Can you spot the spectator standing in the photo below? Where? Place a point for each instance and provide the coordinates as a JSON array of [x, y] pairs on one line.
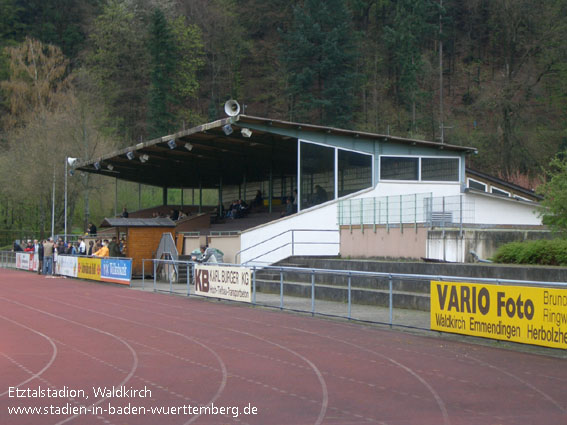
[[90, 250], [258, 200], [114, 248], [124, 213], [91, 229], [39, 253], [82, 247], [48, 251]]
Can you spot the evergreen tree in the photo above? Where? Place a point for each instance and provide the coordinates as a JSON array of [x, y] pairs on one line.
[[163, 56], [119, 60], [412, 23], [320, 54]]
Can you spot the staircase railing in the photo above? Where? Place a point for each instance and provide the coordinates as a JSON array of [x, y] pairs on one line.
[[289, 240]]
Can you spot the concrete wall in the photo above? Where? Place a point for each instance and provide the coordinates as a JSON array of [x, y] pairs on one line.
[[411, 243], [229, 245], [191, 243], [452, 246], [492, 271]]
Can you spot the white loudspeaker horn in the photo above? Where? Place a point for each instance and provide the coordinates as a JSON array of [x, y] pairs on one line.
[[231, 108]]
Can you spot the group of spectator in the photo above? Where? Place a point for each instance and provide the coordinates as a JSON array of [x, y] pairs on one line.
[[174, 214], [48, 250]]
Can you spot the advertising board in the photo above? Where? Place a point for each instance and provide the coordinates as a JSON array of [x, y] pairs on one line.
[[66, 265], [88, 268], [117, 270], [521, 314], [229, 283]]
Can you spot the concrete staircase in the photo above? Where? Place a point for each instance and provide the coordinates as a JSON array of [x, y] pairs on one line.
[[408, 293], [182, 269]]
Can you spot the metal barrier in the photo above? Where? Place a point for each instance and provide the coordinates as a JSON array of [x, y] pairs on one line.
[[386, 298], [7, 259], [169, 278]]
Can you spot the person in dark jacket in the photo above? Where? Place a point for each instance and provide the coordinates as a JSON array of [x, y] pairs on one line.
[[39, 254], [114, 248]]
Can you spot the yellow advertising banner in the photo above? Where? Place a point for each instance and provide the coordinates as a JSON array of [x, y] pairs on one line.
[[89, 268], [521, 314]]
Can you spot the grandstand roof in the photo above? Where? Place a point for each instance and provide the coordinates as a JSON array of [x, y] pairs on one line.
[[206, 155]]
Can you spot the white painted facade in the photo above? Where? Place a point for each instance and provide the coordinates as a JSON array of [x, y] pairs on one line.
[[497, 210], [309, 232]]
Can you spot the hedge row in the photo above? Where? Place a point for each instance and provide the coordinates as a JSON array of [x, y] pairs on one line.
[[543, 252]]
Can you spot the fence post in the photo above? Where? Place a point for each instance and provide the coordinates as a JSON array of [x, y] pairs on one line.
[[388, 214], [401, 215], [350, 214], [391, 300], [312, 292], [443, 217], [415, 211], [362, 215], [292, 242], [188, 279], [169, 273], [281, 289], [349, 295], [374, 207], [254, 285], [154, 261], [461, 215]]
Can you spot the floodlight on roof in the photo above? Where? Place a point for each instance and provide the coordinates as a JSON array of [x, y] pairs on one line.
[[110, 167], [97, 165], [171, 143], [246, 132], [189, 146], [227, 129], [130, 155], [144, 158]]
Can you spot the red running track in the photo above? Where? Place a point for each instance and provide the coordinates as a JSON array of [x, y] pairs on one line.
[[73, 337]]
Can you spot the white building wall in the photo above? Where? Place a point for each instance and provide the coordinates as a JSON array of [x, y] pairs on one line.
[[311, 232], [409, 188], [316, 232], [507, 211]]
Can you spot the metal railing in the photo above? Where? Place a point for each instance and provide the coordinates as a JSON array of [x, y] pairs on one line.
[[394, 299], [292, 242], [8, 259], [160, 270], [408, 210]]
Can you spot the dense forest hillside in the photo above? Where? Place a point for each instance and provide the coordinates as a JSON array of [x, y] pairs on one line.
[[81, 77]]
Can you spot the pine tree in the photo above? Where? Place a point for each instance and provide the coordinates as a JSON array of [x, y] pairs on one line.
[[163, 54], [320, 54]]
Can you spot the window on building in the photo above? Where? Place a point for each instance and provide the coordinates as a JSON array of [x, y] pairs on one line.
[[473, 184], [319, 171], [440, 169], [499, 192], [317, 174], [399, 168], [354, 172]]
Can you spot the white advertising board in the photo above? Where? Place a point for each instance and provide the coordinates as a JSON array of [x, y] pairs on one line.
[[66, 265], [229, 283]]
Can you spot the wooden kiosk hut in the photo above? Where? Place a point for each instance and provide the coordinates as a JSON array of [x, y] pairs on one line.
[[142, 236]]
